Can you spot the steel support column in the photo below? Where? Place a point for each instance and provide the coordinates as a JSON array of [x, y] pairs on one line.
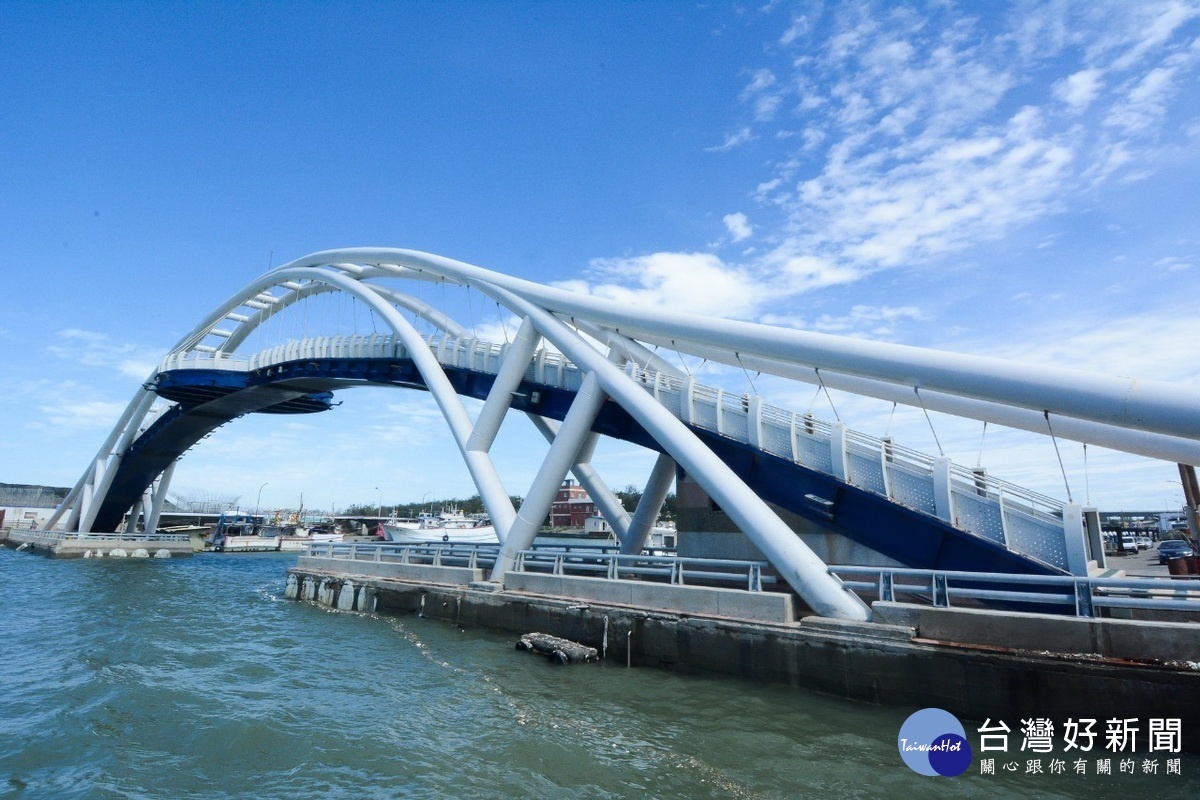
[[797, 564], [564, 452], [607, 503], [657, 488]]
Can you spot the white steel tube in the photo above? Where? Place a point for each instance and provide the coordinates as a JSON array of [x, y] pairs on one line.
[[797, 564], [483, 471], [1153, 406], [508, 379], [564, 452], [655, 493], [606, 502]]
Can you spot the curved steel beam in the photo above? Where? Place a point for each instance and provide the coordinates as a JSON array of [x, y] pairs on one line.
[[1152, 406]]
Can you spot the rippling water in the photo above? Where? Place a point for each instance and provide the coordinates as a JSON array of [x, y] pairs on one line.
[[196, 678]]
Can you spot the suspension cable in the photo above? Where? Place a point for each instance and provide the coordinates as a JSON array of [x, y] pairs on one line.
[[1087, 486], [1046, 414], [827, 394], [503, 322], [753, 388], [681, 359], [936, 441], [979, 461]]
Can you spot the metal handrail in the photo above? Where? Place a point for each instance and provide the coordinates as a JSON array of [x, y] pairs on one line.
[[1084, 594], [459, 350], [60, 535], [679, 570], [557, 559]]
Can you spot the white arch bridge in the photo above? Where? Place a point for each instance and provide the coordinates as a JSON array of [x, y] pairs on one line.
[[581, 367]]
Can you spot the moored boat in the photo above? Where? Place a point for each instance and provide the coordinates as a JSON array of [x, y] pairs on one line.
[[446, 527], [300, 531], [241, 533]]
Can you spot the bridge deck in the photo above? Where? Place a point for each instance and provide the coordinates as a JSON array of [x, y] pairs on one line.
[[885, 497]]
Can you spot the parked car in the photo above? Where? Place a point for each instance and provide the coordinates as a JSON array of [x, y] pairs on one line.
[[1173, 548], [1129, 543], [1144, 542]]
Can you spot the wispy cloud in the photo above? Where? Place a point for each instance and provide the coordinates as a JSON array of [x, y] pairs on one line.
[[901, 136], [101, 350], [699, 282], [64, 415], [735, 139]]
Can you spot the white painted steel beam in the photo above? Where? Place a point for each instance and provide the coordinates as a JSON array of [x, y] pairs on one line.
[[508, 379], [797, 564], [653, 496], [564, 452], [161, 485], [1152, 406], [1151, 445], [483, 472], [607, 503]]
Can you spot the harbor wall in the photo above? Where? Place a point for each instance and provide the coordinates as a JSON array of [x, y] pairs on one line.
[[888, 663], [99, 546]]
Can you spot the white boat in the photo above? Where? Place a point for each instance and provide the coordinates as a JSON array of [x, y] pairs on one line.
[[302, 530], [302, 538], [394, 526], [662, 535], [451, 527], [241, 533]]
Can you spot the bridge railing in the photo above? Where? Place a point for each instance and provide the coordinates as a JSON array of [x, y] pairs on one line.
[[973, 501], [1002, 512], [676, 570], [1083, 595], [458, 555], [558, 559]]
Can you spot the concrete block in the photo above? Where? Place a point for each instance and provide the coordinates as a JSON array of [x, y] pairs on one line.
[[859, 630], [1138, 640], [763, 606], [999, 629], [693, 600], [426, 573]]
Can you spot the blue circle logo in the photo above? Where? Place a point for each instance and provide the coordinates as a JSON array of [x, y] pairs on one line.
[[933, 742]]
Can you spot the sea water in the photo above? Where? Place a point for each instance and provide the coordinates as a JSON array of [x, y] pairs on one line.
[[196, 678]]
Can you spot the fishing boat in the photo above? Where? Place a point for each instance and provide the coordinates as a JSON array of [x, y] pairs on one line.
[[309, 529], [447, 527], [241, 533], [393, 527]]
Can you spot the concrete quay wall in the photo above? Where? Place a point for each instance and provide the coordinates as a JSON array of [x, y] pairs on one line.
[[878, 662], [1109, 638], [112, 546], [692, 600]]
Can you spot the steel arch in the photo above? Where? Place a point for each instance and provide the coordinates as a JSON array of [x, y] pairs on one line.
[[1153, 419]]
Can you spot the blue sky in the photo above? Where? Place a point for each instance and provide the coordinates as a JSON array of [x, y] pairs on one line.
[[1010, 179]]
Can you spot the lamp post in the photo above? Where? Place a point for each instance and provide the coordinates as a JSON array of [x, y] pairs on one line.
[[380, 501], [258, 500]]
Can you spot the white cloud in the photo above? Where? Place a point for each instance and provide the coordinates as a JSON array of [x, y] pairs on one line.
[[99, 350], [736, 139], [1173, 264], [738, 226], [915, 149], [1079, 89], [699, 282], [862, 321], [1138, 344], [65, 415]]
